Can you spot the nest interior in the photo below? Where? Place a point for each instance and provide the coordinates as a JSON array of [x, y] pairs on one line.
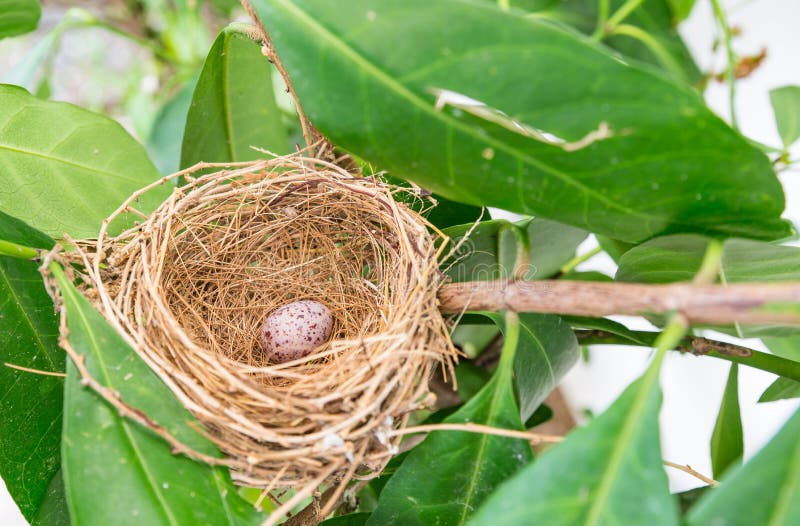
[[191, 285]]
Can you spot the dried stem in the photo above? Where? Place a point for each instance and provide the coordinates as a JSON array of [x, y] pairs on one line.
[[688, 469], [745, 303]]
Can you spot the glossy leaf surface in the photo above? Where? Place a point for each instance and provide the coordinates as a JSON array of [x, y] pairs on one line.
[[140, 480], [66, 169], [546, 351], [786, 105], [766, 490], [467, 466], [606, 473], [30, 404], [18, 16], [233, 107], [369, 76], [663, 46], [494, 248], [727, 439]]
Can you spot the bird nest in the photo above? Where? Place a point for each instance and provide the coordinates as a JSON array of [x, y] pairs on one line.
[[192, 284]]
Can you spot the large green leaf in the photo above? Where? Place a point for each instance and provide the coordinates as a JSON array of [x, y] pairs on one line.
[[30, 403], [18, 16], [546, 351], [233, 107], [116, 471], [445, 478], [494, 248], [607, 473], [662, 47], [166, 137], [766, 490], [727, 439], [369, 75], [786, 105], [66, 169], [54, 510]]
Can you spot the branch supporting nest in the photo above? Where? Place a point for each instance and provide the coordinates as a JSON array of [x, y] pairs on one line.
[[745, 303]]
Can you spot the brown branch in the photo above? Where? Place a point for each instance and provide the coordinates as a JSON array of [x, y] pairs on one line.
[[746, 303]]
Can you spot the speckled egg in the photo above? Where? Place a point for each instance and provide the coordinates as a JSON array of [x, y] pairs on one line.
[[296, 329]]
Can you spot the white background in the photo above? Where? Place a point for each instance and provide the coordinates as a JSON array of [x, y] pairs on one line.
[[692, 386]]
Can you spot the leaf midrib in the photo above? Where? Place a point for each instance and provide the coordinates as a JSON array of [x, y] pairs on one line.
[[149, 477], [405, 93], [67, 162], [622, 444]]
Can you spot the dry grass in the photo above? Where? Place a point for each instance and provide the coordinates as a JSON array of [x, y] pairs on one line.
[[191, 285]]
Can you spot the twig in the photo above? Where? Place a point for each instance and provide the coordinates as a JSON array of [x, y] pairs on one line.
[[688, 469], [701, 347], [533, 438], [34, 371], [310, 134], [746, 303]]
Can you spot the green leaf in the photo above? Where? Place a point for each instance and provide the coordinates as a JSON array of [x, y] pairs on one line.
[[66, 169], [607, 473], [681, 9], [369, 75], [727, 440], [606, 325], [447, 476], [546, 351], [54, 510], [166, 137], [765, 490], [786, 105], [18, 16], [781, 389], [30, 404], [494, 248], [354, 519], [233, 107], [134, 471], [662, 46]]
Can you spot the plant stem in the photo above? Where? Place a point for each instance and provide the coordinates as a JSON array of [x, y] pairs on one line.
[[619, 15], [7, 248], [652, 44], [746, 303], [730, 74], [756, 359], [602, 20], [577, 260]]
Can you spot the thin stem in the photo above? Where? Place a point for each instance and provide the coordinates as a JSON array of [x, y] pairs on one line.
[[602, 20], [570, 265], [653, 45], [7, 248], [711, 265], [701, 346], [730, 74], [621, 14]]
